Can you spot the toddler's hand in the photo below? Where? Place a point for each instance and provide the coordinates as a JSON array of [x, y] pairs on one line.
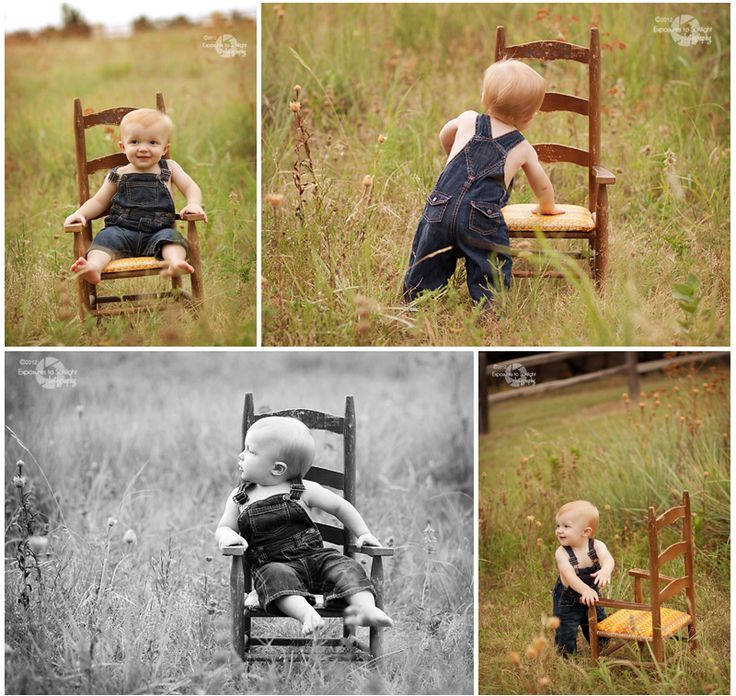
[[555, 211], [75, 218], [194, 209], [601, 578], [368, 539], [229, 537], [589, 596]]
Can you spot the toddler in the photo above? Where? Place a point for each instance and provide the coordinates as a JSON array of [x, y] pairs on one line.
[[585, 566], [462, 217], [269, 514], [140, 201]]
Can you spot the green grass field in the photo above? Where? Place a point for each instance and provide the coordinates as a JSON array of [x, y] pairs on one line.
[[401, 71], [588, 443], [212, 102], [152, 616]]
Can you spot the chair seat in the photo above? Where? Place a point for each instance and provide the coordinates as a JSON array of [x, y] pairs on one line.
[[319, 605], [134, 263], [576, 218], [636, 624]]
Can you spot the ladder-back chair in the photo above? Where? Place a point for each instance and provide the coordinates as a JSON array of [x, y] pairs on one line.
[[240, 574], [134, 267], [652, 622], [577, 222]]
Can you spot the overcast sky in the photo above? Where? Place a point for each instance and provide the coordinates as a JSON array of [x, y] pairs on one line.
[[36, 14]]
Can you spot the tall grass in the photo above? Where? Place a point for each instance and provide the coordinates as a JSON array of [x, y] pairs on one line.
[[377, 84], [624, 457], [212, 103], [113, 614]]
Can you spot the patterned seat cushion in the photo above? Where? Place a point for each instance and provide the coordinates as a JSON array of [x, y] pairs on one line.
[[632, 623], [134, 263], [519, 218]]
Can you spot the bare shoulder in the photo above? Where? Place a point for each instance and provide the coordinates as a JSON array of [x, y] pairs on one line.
[[599, 546], [467, 116], [174, 166], [560, 554], [312, 486]]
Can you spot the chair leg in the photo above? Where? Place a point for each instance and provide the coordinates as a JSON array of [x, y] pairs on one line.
[[237, 607], [692, 636], [593, 633], [376, 634], [196, 277], [600, 244]]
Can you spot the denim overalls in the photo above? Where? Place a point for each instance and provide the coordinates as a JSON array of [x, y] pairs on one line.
[[464, 212], [141, 217], [567, 607], [286, 553]]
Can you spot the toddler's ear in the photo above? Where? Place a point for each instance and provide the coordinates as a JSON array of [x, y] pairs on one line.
[[279, 468]]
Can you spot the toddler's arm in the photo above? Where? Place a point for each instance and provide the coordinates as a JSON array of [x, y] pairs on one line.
[[319, 497], [465, 122], [540, 183], [603, 576], [189, 188], [95, 206], [226, 533], [569, 577]]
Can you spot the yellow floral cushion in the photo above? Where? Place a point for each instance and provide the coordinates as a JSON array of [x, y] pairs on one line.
[[519, 217], [632, 623], [134, 263]]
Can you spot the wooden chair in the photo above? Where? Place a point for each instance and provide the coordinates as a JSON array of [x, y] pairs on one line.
[[578, 222], [652, 622], [135, 267], [240, 574]]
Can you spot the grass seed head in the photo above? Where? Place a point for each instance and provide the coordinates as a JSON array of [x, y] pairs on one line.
[[514, 658], [295, 107], [531, 652], [274, 199], [381, 138], [130, 537], [553, 622]]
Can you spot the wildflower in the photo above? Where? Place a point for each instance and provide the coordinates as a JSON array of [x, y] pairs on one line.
[[539, 543], [274, 199], [646, 150], [706, 474], [514, 658], [367, 181], [538, 523], [540, 643], [381, 138], [19, 481], [530, 518], [297, 90], [295, 107], [111, 521], [130, 537], [38, 544], [531, 653], [607, 507], [553, 622], [543, 681]]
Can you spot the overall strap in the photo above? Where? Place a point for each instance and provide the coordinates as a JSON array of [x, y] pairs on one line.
[[297, 488], [510, 139], [165, 171], [591, 551], [113, 177], [572, 558], [241, 497], [483, 126]]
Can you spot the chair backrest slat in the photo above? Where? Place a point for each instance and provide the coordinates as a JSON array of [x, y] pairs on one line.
[[554, 152], [117, 159], [672, 515], [314, 420], [326, 477], [556, 101], [673, 551], [107, 117], [548, 50], [672, 588]]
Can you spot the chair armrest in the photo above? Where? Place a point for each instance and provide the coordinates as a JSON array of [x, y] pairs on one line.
[[372, 550], [620, 604], [190, 217], [233, 550], [639, 573], [74, 227], [603, 176]]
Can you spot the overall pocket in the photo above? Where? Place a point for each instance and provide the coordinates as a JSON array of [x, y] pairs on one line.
[[485, 217], [434, 211]]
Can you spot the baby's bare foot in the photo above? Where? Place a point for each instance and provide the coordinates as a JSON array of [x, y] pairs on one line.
[[251, 600], [81, 267], [367, 616], [177, 267], [312, 623]]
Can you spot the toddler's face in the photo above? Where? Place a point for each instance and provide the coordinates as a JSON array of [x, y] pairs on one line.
[[144, 146], [256, 461], [570, 529]]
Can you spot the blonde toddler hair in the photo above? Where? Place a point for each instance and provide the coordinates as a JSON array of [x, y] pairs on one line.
[[512, 92], [148, 118], [295, 442], [583, 510]]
